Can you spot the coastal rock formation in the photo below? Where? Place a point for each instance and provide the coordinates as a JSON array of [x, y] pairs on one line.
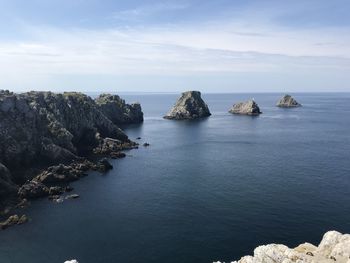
[[7, 187], [13, 220], [334, 247], [247, 108], [287, 101], [118, 111], [42, 129], [189, 106]]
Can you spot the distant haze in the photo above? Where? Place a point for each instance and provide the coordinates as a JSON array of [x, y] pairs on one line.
[[172, 46]]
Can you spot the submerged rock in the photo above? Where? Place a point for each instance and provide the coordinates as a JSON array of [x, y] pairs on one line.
[[334, 247], [189, 106], [247, 108], [287, 101], [118, 111]]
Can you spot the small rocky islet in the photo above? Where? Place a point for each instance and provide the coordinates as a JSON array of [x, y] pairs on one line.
[[188, 107], [50, 139], [249, 107], [287, 101]]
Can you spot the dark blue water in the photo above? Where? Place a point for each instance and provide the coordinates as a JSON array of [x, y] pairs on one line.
[[205, 190]]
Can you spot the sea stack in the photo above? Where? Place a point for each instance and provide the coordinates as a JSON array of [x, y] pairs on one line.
[[249, 107], [287, 101], [189, 106]]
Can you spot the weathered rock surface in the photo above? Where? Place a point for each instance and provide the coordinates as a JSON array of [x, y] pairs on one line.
[[189, 106], [249, 107], [42, 129], [118, 111], [287, 101], [334, 247], [7, 187]]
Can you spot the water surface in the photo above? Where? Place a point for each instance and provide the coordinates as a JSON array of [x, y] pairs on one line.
[[205, 190]]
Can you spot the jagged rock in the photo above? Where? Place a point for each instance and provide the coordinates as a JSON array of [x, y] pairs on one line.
[[334, 247], [7, 187], [109, 145], [33, 189], [23, 203], [117, 155], [56, 190], [104, 165], [59, 173], [246, 108], [13, 220], [189, 106], [287, 101], [118, 111]]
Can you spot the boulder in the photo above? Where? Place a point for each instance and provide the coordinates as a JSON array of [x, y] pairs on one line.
[[287, 101], [249, 107], [189, 106]]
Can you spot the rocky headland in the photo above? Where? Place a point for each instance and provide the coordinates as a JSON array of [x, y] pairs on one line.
[[115, 108], [48, 140], [189, 106], [249, 107], [287, 101], [334, 247]]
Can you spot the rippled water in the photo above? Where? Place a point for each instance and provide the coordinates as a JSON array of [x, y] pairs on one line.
[[205, 190]]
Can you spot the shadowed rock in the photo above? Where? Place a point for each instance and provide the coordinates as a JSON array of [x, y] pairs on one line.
[[287, 101], [118, 111], [189, 106], [246, 108]]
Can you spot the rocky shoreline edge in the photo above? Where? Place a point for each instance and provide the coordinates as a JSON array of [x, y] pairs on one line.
[[334, 247], [49, 140]]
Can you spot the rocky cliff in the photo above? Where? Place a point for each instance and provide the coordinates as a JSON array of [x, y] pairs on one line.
[[287, 101], [189, 106], [38, 129], [246, 108], [334, 247], [118, 111]]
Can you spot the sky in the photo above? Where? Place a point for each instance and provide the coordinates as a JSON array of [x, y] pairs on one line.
[[172, 46]]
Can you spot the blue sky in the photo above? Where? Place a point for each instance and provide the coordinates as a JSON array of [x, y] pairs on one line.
[[171, 46]]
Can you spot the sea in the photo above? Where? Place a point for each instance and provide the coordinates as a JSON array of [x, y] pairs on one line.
[[204, 190]]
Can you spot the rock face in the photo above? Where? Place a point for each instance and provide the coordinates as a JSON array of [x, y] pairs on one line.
[[189, 106], [118, 111], [334, 247], [39, 129], [7, 187], [247, 108], [287, 101]]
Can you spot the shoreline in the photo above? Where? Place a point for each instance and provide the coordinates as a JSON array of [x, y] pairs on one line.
[[56, 139]]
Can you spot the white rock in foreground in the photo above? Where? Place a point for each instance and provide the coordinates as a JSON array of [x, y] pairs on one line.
[[71, 261], [334, 247]]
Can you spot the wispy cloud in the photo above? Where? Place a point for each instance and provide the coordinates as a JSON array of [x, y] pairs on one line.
[[142, 12]]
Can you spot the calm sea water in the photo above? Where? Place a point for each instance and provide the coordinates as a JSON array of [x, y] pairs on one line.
[[205, 190]]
